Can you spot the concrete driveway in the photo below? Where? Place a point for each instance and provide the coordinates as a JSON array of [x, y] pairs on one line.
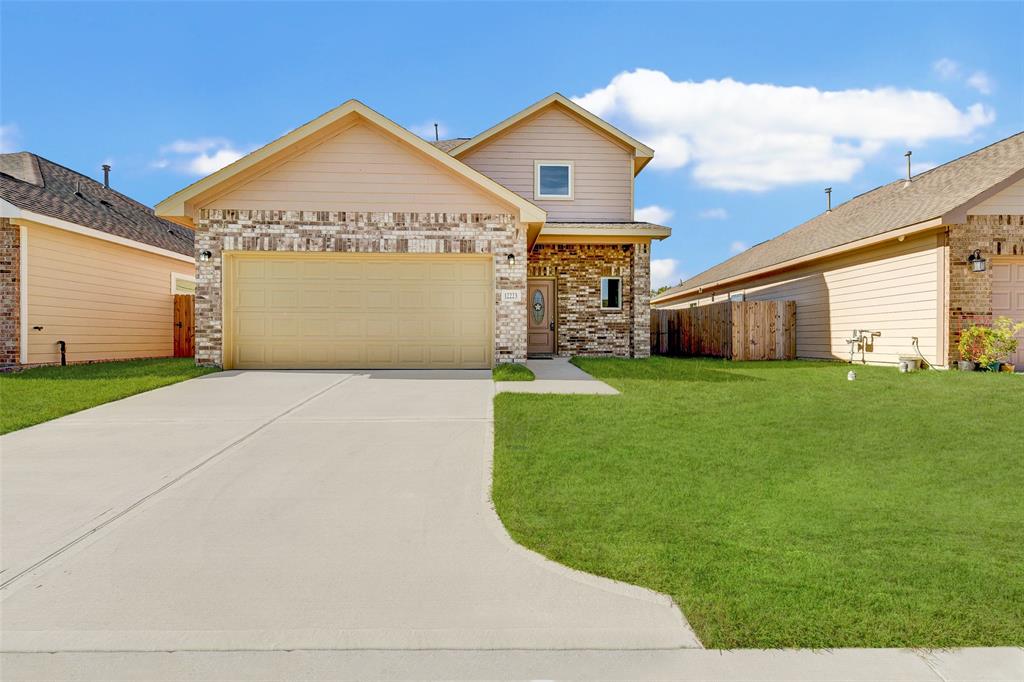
[[288, 510]]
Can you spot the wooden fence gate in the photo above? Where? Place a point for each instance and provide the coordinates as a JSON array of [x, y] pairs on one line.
[[184, 326], [742, 330]]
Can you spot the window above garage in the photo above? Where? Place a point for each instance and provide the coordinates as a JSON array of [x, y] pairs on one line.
[[553, 180]]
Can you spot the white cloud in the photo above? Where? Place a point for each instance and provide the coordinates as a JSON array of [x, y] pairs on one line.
[[653, 214], [200, 156], [664, 272], [754, 136], [737, 247], [982, 82], [713, 214], [426, 130], [946, 68], [10, 138]]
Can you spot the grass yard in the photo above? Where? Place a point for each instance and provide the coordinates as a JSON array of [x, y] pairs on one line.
[[780, 504], [45, 393], [511, 371]]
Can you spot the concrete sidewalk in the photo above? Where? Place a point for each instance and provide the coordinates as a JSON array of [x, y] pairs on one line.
[[683, 665], [556, 375]]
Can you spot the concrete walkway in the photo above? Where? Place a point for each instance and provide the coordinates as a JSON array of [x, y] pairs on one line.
[[556, 375], [289, 510]]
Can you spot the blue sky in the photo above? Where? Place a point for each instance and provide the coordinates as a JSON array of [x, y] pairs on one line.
[[752, 108]]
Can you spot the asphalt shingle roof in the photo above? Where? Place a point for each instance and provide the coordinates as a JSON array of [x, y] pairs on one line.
[[898, 204], [35, 184], [448, 145]]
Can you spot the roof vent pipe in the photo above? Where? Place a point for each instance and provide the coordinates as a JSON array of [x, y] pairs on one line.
[[908, 166], [437, 134], [106, 175], [828, 199]]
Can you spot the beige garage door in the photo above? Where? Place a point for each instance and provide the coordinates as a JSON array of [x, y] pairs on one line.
[[1008, 296], [357, 311]]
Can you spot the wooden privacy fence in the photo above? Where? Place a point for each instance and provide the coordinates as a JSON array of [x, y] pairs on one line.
[[738, 330], [184, 326]]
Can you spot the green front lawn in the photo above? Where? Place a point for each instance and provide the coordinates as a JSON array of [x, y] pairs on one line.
[[779, 504], [45, 393], [510, 371]]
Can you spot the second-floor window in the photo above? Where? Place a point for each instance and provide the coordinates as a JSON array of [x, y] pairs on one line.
[[553, 180]]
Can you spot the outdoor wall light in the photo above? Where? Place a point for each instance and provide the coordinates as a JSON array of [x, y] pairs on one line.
[[511, 259], [204, 256], [977, 261]]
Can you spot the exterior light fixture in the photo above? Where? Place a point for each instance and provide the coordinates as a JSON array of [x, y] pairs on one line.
[[204, 256], [511, 259], [977, 261]]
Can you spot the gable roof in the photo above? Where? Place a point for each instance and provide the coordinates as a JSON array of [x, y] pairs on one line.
[[642, 153], [937, 196], [180, 204], [32, 183]]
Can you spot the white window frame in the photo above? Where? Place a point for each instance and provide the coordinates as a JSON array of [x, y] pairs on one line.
[[175, 276], [600, 289], [553, 197]]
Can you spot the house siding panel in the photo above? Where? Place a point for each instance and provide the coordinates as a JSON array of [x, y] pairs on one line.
[[106, 301], [359, 169], [1008, 201], [603, 169], [892, 288]]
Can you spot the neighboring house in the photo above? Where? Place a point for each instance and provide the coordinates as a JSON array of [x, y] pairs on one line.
[[350, 242], [83, 264], [895, 260]]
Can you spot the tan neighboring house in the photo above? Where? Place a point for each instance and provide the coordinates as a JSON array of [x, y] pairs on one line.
[[86, 265], [911, 260], [352, 243]]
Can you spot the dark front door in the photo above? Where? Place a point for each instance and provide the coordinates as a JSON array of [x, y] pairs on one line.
[[540, 314]]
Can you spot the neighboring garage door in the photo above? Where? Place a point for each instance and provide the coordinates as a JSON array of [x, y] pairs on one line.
[[1008, 297], [285, 311]]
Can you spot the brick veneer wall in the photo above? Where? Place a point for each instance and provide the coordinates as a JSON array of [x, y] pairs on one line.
[[583, 328], [10, 293], [220, 230], [970, 293]]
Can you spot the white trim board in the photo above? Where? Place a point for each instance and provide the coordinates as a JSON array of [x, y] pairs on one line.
[[9, 210]]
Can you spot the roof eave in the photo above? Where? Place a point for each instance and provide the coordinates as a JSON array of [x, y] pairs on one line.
[[652, 232], [922, 226]]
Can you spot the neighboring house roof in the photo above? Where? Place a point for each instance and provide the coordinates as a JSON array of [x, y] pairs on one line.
[[642, 153], [941, 194], [180, 205], [32, 183]]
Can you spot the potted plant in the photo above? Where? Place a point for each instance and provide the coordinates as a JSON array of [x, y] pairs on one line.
[[975, 347], [1004, 341]]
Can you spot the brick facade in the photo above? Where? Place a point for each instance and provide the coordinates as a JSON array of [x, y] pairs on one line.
[[970, 293], [10, 293], [220, 230], [583, 328]]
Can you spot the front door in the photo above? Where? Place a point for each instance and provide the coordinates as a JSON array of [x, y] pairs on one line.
[[540, 313]]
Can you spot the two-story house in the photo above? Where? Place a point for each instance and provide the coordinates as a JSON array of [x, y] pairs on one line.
[[350, 242]]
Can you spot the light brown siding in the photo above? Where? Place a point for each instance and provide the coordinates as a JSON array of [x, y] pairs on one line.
[[1009, 201], [892, 288], [360, 169], [603, 169], [106, 301]]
